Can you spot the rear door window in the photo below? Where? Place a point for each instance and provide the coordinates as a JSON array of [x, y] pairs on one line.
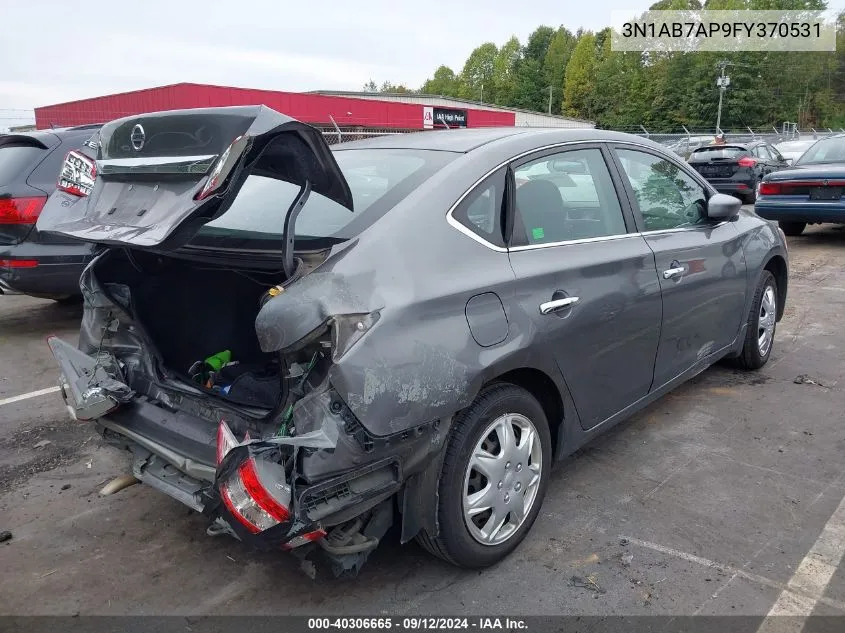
[[566, 196], [763, 152]]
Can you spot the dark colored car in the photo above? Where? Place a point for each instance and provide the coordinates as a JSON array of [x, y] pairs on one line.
[[31, 262], [810, 192], [309, 344], [736, 168]]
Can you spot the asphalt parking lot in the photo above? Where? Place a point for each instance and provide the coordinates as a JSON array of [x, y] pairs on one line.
[[725, 497]]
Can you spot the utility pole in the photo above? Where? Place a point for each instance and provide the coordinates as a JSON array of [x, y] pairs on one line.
[[723, 82], [482, 94], [550, 98]]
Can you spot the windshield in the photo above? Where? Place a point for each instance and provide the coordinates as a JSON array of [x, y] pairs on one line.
[[378, 178], [709, 153], [829, 150]]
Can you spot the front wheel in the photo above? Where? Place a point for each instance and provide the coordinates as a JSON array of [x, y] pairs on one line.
[[762, 322], [493, 478], [792, 228]]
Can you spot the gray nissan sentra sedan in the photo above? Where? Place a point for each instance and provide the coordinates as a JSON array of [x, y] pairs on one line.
[[309, 345]]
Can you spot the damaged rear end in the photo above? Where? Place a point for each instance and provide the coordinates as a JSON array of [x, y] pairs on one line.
[[170, 364]]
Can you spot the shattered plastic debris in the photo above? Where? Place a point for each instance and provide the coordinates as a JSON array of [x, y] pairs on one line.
[[590, 583], [804, 379], [626, 559]]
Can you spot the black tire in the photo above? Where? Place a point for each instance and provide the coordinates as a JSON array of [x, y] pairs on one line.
[[751, 357], [455, 543], [792, 228], [749, 198]]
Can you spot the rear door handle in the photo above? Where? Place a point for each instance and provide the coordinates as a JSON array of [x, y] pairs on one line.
[[558, 304], [672, 273]]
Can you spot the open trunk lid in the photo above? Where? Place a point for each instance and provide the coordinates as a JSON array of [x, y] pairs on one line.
[[161, 176]]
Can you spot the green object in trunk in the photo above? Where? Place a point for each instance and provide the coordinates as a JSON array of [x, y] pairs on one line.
[[218, 360]]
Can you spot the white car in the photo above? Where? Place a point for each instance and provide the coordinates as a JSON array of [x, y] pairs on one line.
[[792, 150]]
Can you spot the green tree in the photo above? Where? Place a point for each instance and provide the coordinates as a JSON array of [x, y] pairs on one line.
[[554, 67], [476, 80], [538, 43], [389, 87], [529, 93], [505, 68], [579, 85], [444, 82]]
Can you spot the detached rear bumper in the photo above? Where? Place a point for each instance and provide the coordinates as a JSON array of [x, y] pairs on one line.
[[176, 451]]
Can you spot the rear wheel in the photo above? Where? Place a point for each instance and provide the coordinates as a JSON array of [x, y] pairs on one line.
[[762, 322], [792, 228], [493, 478], [749, 198]]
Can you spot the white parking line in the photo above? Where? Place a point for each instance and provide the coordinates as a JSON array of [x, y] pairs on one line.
[[797, 592], [811, 578], [27, 396]]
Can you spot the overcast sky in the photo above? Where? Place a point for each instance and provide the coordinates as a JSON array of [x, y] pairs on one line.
[[58, 51]]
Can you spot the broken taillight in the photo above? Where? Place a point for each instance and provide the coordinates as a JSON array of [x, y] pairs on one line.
[[256, 494], [222, 168], [78, 174]]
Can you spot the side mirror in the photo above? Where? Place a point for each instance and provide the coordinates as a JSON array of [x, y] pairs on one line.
[[723, 207]]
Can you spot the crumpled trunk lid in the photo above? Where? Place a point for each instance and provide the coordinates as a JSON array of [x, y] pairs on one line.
[[161, 176]]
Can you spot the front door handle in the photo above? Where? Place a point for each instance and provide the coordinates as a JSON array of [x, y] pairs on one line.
[[558, 304], [673, 273]]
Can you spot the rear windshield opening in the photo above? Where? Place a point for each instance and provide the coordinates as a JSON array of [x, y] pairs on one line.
[[709, 153], [17, 159], [378, 178]]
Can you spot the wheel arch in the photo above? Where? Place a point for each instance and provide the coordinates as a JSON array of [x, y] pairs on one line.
[[776, 264], [541, 386]]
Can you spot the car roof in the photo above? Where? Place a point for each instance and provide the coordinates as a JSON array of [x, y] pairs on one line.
[[466, 140]]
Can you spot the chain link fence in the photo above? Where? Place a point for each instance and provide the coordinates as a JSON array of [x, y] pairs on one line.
[[334, 135], [696, 137]]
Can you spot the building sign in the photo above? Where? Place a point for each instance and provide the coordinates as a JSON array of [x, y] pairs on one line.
[[443, 117], [428, 117]]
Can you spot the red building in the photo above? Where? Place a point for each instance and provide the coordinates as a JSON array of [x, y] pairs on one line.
[[348, 112]]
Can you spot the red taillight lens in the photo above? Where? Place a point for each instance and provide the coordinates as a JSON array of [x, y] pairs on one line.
[[21, 210], [747, 161], [770, 188], [18, 263], [78, 174], [304, 539], [252, 502]]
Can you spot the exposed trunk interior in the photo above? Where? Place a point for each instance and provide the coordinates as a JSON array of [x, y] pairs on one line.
[[194, 310]]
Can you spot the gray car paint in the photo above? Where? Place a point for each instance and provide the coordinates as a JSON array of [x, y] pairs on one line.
[[420, 361], [413, 273]]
